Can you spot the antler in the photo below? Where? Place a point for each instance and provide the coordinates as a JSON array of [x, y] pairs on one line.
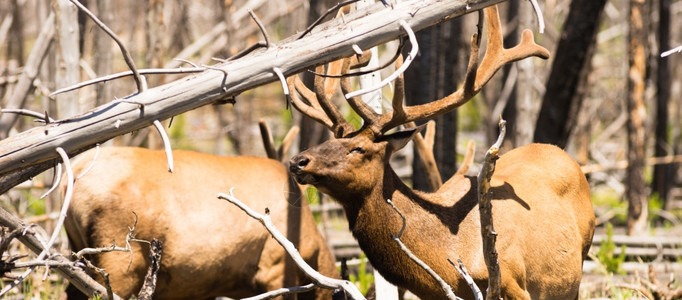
[[476, 77]]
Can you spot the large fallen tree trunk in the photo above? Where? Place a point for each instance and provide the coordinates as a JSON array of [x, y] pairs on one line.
[[29, 153]]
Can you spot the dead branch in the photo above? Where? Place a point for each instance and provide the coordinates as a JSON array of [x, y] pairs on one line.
[[446, 288], [75, 276], [486, 211], [470, 281], [149, 285], [319, 279], [139, 80]]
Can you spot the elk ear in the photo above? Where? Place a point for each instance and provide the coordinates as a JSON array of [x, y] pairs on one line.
[[399, 139]]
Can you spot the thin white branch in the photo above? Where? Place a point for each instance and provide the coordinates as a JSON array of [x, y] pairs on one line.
[[444, 285], [470, 281], [319, 279], [285, 86], [126, 74], [677, 49], [92, 164], [141, 83], [283, 291], [55, 180], [392, 77], [166, 144], [538, 14]]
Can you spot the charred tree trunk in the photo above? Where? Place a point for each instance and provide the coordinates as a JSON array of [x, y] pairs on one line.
[[663, 174], [433, 75], [637, 51], [568, 76]]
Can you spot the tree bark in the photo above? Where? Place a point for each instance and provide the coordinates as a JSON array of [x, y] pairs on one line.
[[566, 85], [635, 184]]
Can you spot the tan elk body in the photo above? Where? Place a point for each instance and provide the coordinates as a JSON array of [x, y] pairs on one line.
[[210, 247], [541, 202]]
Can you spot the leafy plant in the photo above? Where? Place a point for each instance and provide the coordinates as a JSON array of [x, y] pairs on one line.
[[364, 279], [607, 253]]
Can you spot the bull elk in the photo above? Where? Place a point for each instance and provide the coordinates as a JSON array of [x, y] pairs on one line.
[[211, 248], [542, 208]]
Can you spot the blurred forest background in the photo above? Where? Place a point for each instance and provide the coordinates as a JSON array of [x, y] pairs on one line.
[[605, 95]]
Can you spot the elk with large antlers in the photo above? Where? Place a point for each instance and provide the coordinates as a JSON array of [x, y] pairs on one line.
[[542, 208], [211, 248]]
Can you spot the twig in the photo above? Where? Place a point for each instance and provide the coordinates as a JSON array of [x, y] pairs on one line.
[[139, 80], [446, 288], [126, 74], [56, 178], [319, 279], [91, 251], [677, 49], [285, 86], [26, 112], [92, 164], [359, 73], [58, 226], [486, 210], [538, 14], [166, 144], [329, 11], [470, 281], [261, 27], [283, 291], [408, 60]]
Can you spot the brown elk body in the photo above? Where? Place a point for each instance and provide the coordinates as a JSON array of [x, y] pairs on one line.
[[541, 202], [210, 248]]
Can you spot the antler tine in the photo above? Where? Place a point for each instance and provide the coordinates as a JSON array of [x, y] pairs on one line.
[[356, 103], [476, 77], [311, 109], [324, 89]]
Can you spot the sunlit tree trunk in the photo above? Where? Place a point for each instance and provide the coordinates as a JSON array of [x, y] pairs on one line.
[[637, 52]]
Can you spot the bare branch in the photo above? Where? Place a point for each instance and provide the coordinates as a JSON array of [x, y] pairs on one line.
[[446, 288], [283, 291], [261, 27], [319, 279], [399, 71], [538, 14], [166, 144], [470, 281], [92, 164], [30, 113], [486, 211], [141, 83], [329, 11], [129, 73], [56, 178], [677, 49]]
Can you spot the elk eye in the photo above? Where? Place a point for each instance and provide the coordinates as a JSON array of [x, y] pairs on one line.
[[357, 150]]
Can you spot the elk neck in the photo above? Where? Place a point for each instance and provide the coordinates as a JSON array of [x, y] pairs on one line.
[[432, 225]]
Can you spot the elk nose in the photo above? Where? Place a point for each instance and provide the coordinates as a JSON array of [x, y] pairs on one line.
[[298, 162]]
